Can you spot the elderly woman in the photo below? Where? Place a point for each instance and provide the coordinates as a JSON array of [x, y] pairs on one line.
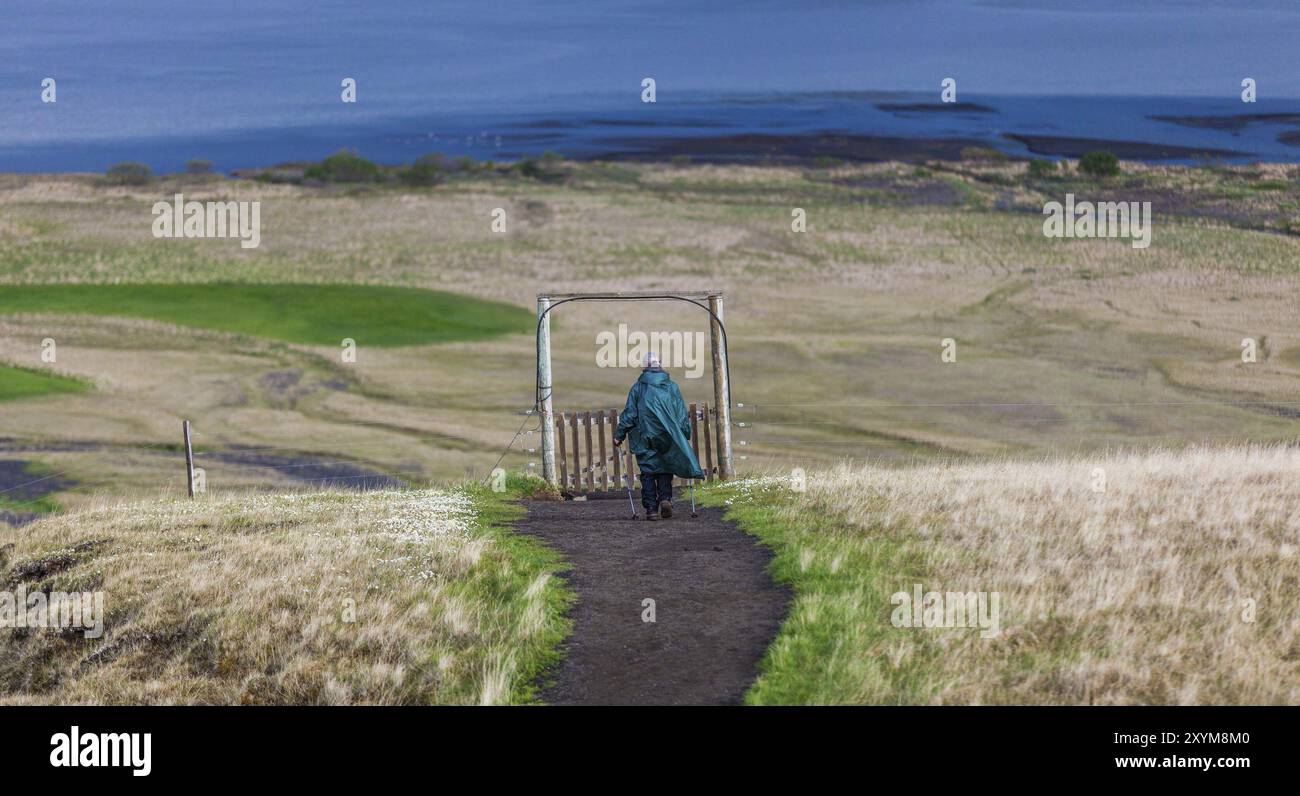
[[658, 431]]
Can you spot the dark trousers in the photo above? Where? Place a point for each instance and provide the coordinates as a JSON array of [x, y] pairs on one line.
[[654, 488]]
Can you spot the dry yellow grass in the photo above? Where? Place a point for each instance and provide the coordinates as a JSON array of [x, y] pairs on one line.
[[327, 598], [1158, 578]]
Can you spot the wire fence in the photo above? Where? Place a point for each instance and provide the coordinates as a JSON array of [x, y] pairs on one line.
[[766, 435]]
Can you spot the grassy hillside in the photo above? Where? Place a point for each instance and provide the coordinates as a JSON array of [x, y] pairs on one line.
[[1159, 578], [328, 598], [18, 383], [836, 332], [309, 314]]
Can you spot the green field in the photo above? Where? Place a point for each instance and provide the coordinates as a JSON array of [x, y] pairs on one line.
[[311, 314], [25, 383]]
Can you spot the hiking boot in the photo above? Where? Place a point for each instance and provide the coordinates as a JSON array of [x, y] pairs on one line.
[[652, 517], [666, 508]]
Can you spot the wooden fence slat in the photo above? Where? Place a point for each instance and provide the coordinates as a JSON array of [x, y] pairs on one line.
[[695, 431], [618, 454], [613, 453], [577, 454], [589, 448], [708, 447], [717, 430], [564, 463], [591, 460], [603, 466], [630, 461]]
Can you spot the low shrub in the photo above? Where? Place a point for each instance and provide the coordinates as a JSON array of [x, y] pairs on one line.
[[345, 166], [129, 174], [426, 170], [1099, 164], [1042, 169]]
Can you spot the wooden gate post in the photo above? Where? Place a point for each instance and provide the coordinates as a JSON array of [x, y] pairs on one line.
[[544, 380], [721, 391]]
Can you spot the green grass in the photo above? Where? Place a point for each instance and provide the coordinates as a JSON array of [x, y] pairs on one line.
[[41, 505], [18, 383], [834, 645], [521, 559], [18, 501], [1269, 185], [296, 313]]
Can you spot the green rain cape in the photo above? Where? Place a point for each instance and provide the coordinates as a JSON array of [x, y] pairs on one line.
[[657, 427]]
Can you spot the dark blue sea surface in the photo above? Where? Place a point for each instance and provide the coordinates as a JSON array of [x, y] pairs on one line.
[[248, 84]]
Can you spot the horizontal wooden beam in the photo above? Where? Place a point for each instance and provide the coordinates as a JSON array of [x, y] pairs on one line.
[[634, 294]]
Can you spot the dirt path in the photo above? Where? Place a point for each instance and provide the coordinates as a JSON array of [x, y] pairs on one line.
[[716, 608]]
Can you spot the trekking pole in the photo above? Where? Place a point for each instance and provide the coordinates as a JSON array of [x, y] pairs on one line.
[[629, 495], [693, 514]]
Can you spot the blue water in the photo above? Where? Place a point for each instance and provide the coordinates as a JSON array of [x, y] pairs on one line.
[[254, 83]]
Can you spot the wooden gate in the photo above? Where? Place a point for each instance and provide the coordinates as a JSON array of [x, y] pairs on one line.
[[589, 462]]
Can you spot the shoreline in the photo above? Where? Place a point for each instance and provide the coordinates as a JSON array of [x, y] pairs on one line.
[[1072, 147], [787, 128], [814, 150], [791, 149]]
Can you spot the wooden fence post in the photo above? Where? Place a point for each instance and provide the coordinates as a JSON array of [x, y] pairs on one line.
[[189, 459]]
